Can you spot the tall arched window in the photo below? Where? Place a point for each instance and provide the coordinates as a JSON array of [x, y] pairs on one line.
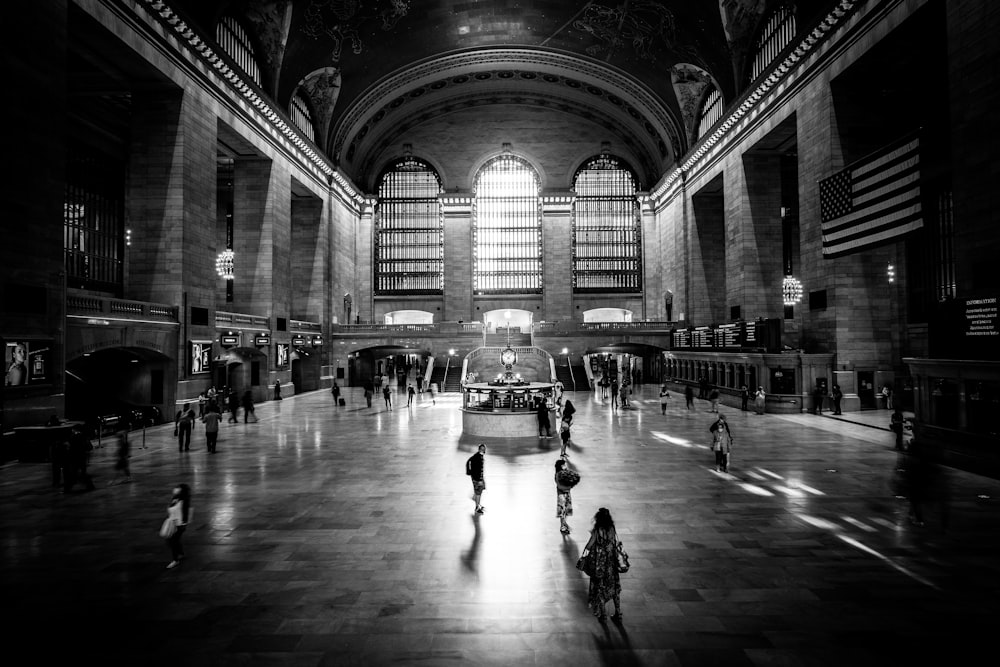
[[776, 34], [711, 111], [607, 239], [235, 41], [507, 228], [298, 111], [409, 230]]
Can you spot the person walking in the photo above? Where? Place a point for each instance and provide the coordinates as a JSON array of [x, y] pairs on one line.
[[336, 393], [713, 397], [565, 479], [248, 409], [410, 393], [202, 400], [369, 392], [689, 397], [614, 394], [817, 397], [896, 425], [122, 457], [74, 457], [474, 468], [744, 397], [605, 549], [432, 389], [568, 411], [564, 435], [838, 395], [211, 420], [722, 443], [234, 407], [664, 397], [277, 390], [387, 395], [759, 401], [182, 427], [178, 514], [542, 412]]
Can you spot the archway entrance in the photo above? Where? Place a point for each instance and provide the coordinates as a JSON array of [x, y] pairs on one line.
[[127, 384]]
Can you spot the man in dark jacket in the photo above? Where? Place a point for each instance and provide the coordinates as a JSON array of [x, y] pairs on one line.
[[474, 468]]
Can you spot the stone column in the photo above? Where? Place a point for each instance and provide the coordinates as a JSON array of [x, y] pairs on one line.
[[458, 285], [557, 260]]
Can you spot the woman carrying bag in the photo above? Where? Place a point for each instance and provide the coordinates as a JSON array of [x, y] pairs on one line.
[[603, 559], [178, 517]]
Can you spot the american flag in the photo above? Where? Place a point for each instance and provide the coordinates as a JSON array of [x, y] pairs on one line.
[[874, 201]]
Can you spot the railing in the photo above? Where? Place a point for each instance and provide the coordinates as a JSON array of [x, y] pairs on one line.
[[244, 319], [120, 308], [303, 325], [477, 328]]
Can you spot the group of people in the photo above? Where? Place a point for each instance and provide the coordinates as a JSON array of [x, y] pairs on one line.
[[210, 414], [604, 550]]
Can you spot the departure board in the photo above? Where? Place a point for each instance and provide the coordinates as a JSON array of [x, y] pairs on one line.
[[681, 339], [701, 337], [728, 336]]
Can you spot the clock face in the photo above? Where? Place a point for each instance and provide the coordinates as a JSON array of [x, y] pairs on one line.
[[508, 357]]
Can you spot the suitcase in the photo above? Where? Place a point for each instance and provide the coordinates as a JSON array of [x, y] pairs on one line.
[[342, 402]]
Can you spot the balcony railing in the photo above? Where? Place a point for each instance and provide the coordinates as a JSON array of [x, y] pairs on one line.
[[223, 318], [126, 309], [476, 328]]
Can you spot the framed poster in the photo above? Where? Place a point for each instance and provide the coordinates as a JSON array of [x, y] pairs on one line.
[[201, 356], [282, 359], [27, 362]]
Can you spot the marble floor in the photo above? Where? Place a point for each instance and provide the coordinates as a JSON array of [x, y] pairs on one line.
[[327, 535]]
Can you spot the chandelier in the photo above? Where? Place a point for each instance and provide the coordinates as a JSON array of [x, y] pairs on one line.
[[224, 264], [791, 290]]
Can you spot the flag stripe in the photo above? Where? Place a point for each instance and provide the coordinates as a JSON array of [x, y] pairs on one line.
[[873, 201], [849, 247], [905, 211], [892, 201]]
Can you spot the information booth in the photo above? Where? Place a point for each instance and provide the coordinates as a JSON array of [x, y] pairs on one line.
[[503, 410]]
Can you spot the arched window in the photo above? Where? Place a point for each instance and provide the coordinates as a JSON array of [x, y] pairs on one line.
[[607, 238], [507, 228], [409, 230], [777, 33], [235, 41], [94, 234], [298, 109], [711, 111]]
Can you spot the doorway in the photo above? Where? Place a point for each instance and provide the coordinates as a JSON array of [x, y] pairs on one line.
[[866, 390]]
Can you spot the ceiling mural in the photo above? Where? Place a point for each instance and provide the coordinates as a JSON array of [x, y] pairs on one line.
[[322, 87], [639, 25], [691, 84], [340, 22], [269, 21]]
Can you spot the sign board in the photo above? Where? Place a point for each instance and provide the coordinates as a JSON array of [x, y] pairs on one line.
[[229, 341], [262, 339]]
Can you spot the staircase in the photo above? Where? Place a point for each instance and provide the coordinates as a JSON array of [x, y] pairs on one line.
[[580, 373], [453, 381], [517, 339], [437, 377], [565, 375]]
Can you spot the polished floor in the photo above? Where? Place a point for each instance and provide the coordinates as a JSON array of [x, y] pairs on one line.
[[327, 535]]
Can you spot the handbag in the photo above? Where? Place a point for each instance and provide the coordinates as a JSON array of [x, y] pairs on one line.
[[586, 563], [569, 478], [168, 528], [622, 558]]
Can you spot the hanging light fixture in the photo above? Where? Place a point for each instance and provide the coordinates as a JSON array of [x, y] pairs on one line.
[[224, 264], [791, 290]]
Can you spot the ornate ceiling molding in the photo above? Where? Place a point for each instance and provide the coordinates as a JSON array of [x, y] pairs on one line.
[[603, 85]]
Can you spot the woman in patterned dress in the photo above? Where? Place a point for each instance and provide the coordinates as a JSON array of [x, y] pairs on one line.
[[605, 583], [564, 501]]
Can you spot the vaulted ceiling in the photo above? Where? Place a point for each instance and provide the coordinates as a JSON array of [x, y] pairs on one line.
[[374, 70]]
